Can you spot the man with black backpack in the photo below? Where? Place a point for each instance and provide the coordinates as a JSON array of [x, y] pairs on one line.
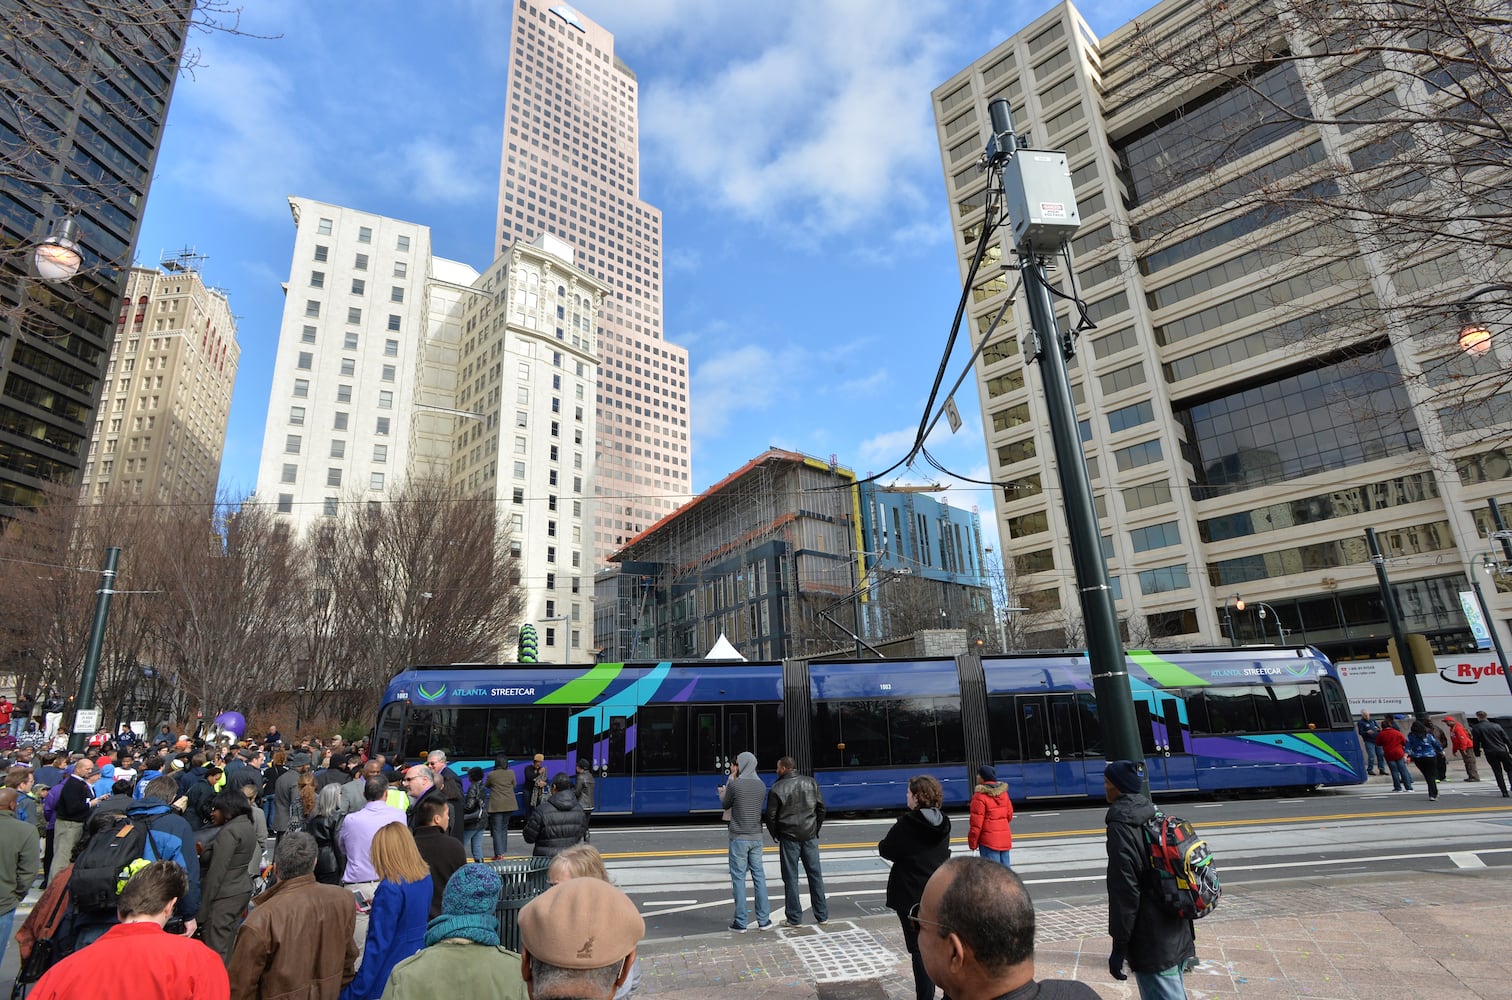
[[148, 831], [1157, 945]]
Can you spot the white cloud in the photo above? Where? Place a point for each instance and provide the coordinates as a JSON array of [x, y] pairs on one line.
[[234, 134], [462, 173], [825, 127], [866, 383], [745, 380]]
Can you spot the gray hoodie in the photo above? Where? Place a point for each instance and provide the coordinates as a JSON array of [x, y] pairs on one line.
[[745, 796]]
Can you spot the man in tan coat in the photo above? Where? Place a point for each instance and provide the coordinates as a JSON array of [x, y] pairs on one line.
[[297, 941]]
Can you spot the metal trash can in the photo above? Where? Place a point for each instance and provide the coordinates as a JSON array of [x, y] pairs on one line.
[[520, 881]]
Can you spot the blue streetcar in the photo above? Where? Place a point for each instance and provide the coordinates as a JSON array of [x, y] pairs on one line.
[[659, 736]]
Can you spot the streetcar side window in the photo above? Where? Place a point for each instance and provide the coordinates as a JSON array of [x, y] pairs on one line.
[[386, 737], [948, 732], [554, 740], [1339, 715], [516, 731], [1002, 723], [880, 733], [771, 736], [1229, 710], [1285, 709], [1091, 726], [661, 739], [458, 731]]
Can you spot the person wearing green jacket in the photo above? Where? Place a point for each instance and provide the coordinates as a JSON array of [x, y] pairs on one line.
[[20, 862]]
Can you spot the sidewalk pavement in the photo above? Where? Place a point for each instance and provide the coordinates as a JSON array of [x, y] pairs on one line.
[[1432, 934]]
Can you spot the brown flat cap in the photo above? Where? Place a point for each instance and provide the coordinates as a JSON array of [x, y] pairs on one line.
[[584, 923], [539, 757]]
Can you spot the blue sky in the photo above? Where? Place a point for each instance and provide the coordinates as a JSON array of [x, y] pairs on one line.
[[790, 146]]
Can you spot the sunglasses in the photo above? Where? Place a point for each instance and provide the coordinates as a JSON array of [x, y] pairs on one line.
[[916, 920]]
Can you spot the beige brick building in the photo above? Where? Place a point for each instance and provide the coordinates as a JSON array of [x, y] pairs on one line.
[[161, 423]]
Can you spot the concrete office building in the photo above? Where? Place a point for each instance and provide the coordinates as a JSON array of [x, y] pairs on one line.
[[1242, 427], [354, 320], [504, 411], [571, 168], [161, 425], [84, 92]]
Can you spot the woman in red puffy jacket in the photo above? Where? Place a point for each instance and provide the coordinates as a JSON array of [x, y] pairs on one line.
[[991, 812]]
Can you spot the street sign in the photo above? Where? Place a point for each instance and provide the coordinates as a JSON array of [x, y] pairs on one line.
[[86, 721], [1477, 621]]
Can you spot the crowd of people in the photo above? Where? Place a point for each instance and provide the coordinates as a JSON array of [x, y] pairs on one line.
[[261, 869], [1388, 749]]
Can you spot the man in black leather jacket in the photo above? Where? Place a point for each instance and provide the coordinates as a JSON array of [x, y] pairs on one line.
[[1157, 945], [795, 812]]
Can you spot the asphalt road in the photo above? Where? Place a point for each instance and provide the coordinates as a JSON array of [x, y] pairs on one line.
[[677, 873]]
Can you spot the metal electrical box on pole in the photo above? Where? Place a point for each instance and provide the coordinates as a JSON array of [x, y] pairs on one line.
[[1040, 199]]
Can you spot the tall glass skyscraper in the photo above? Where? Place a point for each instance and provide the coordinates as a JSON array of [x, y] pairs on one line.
[[84, 92], [570, 168]]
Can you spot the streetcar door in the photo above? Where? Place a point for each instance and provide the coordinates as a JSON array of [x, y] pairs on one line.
[[1168, 759], [1052, 744], [600, 740], [720, 734]]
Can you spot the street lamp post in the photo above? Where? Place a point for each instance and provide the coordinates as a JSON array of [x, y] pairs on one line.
[[1261, 608], [85, 701], [1237, 604], [1475, 337]]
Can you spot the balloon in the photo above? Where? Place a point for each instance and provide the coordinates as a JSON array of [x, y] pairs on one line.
[[231, 724]]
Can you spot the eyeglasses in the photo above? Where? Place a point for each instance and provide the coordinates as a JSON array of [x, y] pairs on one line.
[[916, 920]]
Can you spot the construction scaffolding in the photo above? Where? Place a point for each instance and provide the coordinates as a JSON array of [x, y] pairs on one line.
[[755, 557]]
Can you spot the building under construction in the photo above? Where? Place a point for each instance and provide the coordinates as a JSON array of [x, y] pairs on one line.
[[768, 556]]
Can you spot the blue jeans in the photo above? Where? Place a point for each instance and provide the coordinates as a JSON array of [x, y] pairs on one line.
[[792, 852], [1400, 776], [1001, 857], [6, 923], [1373, 752], [472, 842], [745, 855], [1165, 985], [498, 829]]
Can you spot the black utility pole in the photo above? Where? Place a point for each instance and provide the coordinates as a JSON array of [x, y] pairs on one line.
[[76, 739], [1404, 651], [1042, 211], [1499, 526]]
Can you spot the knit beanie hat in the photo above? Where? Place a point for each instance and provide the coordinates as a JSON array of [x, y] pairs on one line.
[[987, 773], [468, 907], [1127, 776]]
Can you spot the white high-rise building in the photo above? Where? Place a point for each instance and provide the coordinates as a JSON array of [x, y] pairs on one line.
[[354, 319], [570, 168], [485, 381], [504, 410]]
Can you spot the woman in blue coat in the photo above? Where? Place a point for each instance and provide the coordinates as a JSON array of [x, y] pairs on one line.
[[401, 909]]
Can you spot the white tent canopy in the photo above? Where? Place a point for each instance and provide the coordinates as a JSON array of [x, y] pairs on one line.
[[723, 650]]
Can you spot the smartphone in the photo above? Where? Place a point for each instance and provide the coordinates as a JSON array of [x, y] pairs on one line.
[[364, 905]]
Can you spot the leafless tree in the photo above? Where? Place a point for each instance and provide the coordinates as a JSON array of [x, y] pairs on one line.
[[228, 604], [50, 578], [423, 577]]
